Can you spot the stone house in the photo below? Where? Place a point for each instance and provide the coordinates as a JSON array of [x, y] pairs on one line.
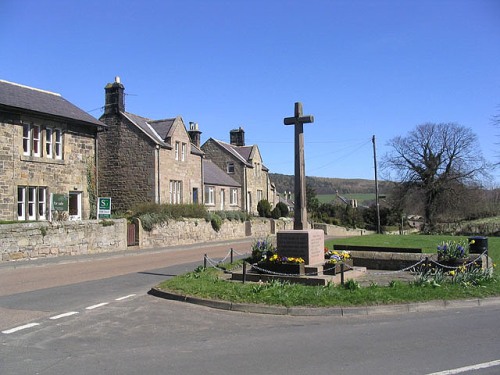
[[222, 192], [47, 156], [143, 160], [244, 164]]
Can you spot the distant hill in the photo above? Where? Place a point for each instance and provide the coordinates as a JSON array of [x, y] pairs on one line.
[[324, 185]]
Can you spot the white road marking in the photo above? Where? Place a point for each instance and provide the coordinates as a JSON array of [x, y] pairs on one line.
[[63, 315], [125, 297], [12, 330], [468, 368], [96, 306]]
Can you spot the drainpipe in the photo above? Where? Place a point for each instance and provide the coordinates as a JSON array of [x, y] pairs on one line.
[[158, 195]]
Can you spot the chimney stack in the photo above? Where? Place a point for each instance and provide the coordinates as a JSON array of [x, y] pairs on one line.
[[114, 100], [237, 137], [194, 134]]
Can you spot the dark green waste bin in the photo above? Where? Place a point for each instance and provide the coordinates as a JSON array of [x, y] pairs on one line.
[[478, 245]]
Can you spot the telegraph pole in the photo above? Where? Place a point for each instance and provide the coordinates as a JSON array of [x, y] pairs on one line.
[[376, 185]]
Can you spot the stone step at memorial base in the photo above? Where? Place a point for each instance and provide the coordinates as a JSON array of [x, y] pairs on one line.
[[308, 279]]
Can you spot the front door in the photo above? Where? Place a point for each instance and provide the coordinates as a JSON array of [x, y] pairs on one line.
[[75, 205], [222, 199]]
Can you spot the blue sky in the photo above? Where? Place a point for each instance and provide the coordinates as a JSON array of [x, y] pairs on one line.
[[362, 68]]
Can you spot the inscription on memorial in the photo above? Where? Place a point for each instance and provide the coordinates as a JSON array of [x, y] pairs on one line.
[[306, 244]]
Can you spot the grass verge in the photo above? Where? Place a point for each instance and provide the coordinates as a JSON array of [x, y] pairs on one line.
[[212, 284]]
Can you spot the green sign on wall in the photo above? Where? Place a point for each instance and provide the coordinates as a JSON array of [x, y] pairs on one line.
[[103, 208], [59, 202]]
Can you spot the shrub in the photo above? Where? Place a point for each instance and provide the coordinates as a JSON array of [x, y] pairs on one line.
[[152, 214], [264, 208], [216, 222], [283, 209], [276, 213]]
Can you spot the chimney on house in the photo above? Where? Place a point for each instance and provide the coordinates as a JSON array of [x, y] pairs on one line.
[[237, 137], [115, 97], [194, 134]]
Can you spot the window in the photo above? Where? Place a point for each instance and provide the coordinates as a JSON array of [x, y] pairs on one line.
[[21, 203], [209, 195], [183, 153], [230, 167], [175, 192], [259, 195], [31, 203], [31, 140], [233, 197], [58, 152], [42, 204], [176, 150], [48, 142]]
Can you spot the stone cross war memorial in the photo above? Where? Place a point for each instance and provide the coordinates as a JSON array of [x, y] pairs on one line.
[[301, 242]]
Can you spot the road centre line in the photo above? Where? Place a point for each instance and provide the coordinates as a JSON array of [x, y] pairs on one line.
[[19, 328], [468, 368], [96, 306], [125, 297], [64, 315]]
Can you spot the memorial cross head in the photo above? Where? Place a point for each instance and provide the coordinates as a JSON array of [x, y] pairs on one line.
[[299, 118]]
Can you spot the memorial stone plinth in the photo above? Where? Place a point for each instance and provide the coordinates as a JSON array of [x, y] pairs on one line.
[[307, 244]]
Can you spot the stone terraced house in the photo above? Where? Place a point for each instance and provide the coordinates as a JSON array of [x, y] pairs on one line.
[[143, 160], [47, 153], [243, 164], [222, 192]]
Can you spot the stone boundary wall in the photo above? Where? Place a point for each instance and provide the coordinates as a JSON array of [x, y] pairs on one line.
[[334, 230], [45, 239], [190, 231]]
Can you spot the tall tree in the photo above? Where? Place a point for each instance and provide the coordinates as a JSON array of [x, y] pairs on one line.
[[434, 159]]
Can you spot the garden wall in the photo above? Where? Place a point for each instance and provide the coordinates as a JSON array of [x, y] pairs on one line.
[[45, 239], [334, 230], [189, 231]]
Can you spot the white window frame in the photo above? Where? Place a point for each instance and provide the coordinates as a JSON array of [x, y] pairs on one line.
[[36, 135], [27, 139], [260, 195], [175, 192], [183, 151], [58, 143], [49, 149], [42, 203], [210, 195], [230, 167], [32, 139], [31, 203], [233, 197], [176, 150], [21, 203]]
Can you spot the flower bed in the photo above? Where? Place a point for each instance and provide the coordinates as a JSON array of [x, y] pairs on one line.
[[282, 268], [335, 268]]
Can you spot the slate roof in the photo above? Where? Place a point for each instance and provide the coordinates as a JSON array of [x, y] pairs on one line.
[[158, 130], [213, 175], [143, 124], [243, 153], [29, 99]]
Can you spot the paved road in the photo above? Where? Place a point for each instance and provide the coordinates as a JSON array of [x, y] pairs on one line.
[[107, 324]]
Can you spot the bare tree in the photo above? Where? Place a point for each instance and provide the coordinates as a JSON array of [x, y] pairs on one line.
[[434, 159]]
